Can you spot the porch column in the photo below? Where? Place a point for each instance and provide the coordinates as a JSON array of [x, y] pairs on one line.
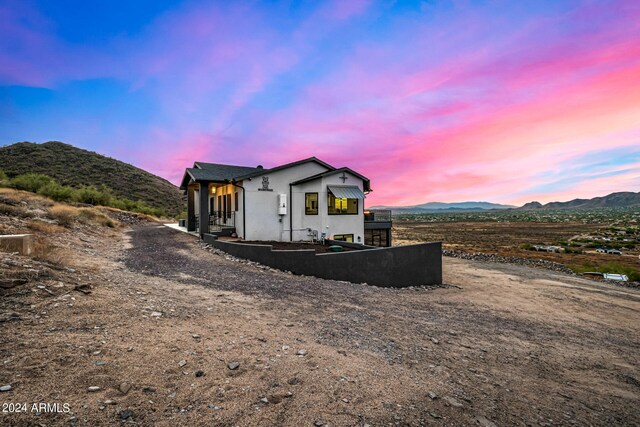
[[204, 207], [191, 215]]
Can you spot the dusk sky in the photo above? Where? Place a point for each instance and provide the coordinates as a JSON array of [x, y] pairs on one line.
[[502, 101]]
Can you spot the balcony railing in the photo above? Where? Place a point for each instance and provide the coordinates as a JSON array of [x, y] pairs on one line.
[[377, 215]]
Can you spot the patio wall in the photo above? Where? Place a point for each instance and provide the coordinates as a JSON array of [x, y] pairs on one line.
[[400, 266]]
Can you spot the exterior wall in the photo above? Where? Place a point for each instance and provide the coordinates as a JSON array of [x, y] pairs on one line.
[[323, 222], [263, 221], [400, 266]]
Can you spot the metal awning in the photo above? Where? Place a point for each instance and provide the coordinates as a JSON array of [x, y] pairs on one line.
[[346, 191]]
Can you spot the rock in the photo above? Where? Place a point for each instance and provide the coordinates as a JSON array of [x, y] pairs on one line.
[[484, 422], [293, 381], [200, 374], [124, 388], [434, 415], [93, 388], [126, 414], [264, 400], [302, 352], [453, 402], [5, 388], [195, 336], [156, 314], [100, 363], [149, 389], [182, 363], [109, 402], [97, 352], [318, 423], [432, 395], [435, 341], [11, 283], [130, 349], [285, 347], [233, 366]]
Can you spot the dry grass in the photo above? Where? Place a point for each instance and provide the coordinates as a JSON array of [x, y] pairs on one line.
[[67, 216], [25, 196], [46, 252], [44, 227], [94, 216]]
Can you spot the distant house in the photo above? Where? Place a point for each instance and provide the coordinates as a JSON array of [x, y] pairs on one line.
[[610, 251], [301, 201]]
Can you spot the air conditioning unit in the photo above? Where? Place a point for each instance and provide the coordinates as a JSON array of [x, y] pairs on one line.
[[282, 204]]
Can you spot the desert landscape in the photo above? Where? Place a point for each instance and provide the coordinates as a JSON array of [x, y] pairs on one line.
[[117, 319]]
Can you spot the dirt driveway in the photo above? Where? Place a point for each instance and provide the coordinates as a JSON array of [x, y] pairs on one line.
[[499, 345]]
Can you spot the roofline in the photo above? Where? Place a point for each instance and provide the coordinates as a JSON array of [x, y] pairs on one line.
[[331, 172], [285, 166]]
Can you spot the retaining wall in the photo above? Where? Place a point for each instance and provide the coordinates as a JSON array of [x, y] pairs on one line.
[[398, 266]]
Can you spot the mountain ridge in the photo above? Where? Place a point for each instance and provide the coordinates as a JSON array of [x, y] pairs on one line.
[[76, 167]]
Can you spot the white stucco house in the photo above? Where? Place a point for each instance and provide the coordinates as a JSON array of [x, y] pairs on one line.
[[300, 201]]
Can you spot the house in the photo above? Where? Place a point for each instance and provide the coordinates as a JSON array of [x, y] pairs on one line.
[[305, 200]]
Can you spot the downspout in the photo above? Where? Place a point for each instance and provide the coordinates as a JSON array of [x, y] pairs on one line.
[[244, 214], [290, 213]]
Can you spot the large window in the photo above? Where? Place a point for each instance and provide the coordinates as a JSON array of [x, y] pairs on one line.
[[311, 203], [344, 237], [342, 206]]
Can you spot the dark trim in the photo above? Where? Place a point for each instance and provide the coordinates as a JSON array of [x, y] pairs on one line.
[[290, 212], [318, 201], [244, 210]]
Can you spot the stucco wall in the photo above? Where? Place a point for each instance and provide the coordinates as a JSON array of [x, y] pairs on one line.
[[263, 221], [400, 266]]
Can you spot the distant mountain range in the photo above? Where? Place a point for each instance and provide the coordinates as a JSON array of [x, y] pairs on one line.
[[445, 207], [613, 200], [76, 167]]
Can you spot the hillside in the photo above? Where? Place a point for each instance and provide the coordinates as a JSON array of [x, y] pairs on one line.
[[76, 167], [613, 200]]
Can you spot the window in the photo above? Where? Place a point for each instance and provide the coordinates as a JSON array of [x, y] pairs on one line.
[[235, 201], [311, 203], [376, 237], [342, 206], [343, 237]]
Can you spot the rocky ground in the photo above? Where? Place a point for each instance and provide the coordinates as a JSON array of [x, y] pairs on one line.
[[147, 326]]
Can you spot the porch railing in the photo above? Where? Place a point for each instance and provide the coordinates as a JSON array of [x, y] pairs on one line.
[[221, 219], [377, 215]]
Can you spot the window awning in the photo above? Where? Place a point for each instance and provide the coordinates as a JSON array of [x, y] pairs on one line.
[[346, 191]]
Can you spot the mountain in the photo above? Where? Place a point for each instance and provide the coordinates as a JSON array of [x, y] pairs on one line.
[[445, 207], [613, 200], [73, 166]]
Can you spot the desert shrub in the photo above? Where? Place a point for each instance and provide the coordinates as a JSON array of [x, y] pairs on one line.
[[30, 182], [526, 247], [3, 178], [59, 193], [65, 215], [91, 196]]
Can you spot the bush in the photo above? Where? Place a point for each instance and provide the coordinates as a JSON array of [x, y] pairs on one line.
[[57, 192], [91, 196], [88, 216], [609, 267], [3, 177], [31, 182]]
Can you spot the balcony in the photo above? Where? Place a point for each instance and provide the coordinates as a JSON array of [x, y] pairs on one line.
[[377, 215], [218, 221]]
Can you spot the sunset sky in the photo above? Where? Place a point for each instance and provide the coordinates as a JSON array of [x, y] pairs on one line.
[[502, 101]]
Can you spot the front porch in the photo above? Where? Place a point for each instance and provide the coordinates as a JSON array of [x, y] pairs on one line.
[[210, 209]]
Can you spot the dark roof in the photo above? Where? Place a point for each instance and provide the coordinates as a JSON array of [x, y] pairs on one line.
[[288, 165], [365, 180], [215, 172]]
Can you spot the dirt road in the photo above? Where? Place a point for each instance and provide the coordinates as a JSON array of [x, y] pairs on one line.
[[499, 345]]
